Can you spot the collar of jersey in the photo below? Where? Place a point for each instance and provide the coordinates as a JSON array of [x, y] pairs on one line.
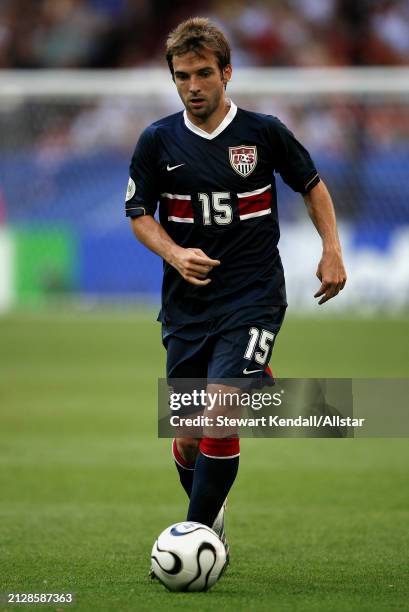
[[222, 126]]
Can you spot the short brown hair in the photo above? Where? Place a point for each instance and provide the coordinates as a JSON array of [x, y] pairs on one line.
[[198, 34]]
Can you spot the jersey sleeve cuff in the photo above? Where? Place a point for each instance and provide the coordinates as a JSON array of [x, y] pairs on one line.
[[314, 180], [136, 211]]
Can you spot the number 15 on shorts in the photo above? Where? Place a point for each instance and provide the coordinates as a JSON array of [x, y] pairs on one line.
[[261, 340]]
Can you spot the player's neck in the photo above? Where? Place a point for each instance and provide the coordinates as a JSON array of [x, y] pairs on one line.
[[211, 123]]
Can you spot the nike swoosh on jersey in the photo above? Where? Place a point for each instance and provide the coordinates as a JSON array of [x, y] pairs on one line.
[[170, 168], [246, 371]]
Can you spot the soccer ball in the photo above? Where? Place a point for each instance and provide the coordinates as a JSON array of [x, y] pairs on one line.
[[188, 557]]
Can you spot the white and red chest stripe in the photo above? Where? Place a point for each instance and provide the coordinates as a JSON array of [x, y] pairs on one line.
[[251, 204], [179, 207], [255, 203]]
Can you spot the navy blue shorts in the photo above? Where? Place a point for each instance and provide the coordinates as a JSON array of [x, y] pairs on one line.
[[236, 345]]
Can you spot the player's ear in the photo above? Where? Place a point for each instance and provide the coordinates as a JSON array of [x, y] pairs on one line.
[[226, 74]]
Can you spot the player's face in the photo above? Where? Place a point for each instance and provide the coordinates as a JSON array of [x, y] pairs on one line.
[[201, 84]]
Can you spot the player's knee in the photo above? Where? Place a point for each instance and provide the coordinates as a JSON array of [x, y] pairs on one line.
[[188, 448], [220, 448]]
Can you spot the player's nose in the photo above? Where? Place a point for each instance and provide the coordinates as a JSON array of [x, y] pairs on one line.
[[194, 86]]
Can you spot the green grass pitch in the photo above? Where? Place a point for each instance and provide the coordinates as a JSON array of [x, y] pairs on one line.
[[86, 486]]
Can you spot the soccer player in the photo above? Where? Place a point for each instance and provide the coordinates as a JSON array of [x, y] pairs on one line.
[[211, 169]]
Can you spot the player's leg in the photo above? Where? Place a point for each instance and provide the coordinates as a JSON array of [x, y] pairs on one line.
[[185, 452], [239, 352], [186, 361], [216, 465], [187, 448]]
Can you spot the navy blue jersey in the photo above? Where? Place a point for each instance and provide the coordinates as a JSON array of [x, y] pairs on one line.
[[216, 192]]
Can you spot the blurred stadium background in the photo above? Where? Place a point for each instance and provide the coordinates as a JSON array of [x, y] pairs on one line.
[[81, 78]]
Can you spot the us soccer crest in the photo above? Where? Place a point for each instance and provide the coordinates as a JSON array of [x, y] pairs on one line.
[[243, 159]]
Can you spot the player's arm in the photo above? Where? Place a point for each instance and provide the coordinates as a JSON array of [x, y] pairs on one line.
[[140, 205], [297, 169], [193, 264], [331, 270]]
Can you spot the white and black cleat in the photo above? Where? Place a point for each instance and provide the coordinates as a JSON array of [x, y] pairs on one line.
[[218, 527]]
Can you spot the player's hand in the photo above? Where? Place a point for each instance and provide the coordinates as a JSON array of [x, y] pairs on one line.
[[331, 273], [193, 264]]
